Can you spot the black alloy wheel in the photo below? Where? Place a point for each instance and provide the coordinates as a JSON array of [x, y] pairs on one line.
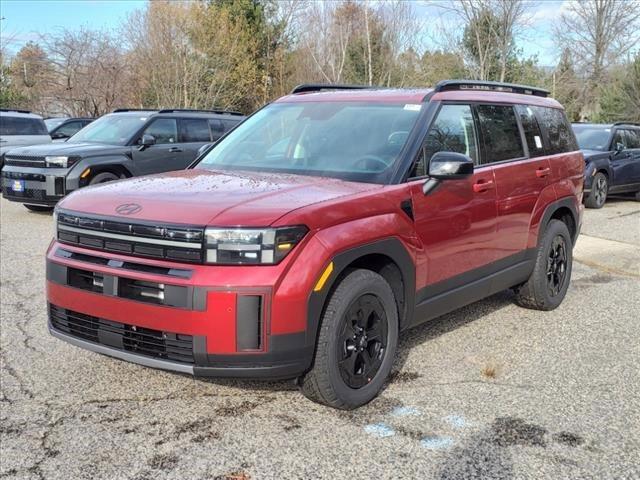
[[556, 266]]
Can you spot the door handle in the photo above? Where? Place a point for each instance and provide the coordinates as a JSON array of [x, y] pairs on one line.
[[482, 186], [543, 172], [175, 149]]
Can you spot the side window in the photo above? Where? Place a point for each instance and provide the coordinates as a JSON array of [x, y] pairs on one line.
[[633, 138], [532, 131], [22, 126], [69, 129], [453, 130], [164, 130], [559, 134], [194, 130], [217, 129], [229, 124], [500, 133]]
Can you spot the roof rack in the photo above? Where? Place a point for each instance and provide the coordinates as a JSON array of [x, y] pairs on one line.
[[448, 85], [187, 110], [15, 110], [318, 87], [635, 124]]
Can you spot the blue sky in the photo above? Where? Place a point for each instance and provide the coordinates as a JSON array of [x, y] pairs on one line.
[[25, 20]]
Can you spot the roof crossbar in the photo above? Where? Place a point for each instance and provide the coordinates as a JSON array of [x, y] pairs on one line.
[[318, 87]]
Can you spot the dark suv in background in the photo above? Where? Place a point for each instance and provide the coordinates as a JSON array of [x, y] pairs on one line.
[[63, 128], [122, 144], [612, 156]]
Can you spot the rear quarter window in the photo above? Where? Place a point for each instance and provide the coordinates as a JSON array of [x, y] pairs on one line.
[[560, 136], [194, 130], [532, 132], [22, 126]]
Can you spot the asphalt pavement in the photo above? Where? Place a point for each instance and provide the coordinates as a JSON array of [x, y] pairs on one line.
[[491, 391]]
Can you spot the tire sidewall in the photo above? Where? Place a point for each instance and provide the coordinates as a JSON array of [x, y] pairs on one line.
[[99, 178], [606, 190], [554, 229], [379, 288]]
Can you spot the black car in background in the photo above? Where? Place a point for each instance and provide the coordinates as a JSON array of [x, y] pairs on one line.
[[612, 156], [122, 144], [63, 128]]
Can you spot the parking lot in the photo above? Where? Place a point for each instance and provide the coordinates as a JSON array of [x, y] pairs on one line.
[[489, 391]]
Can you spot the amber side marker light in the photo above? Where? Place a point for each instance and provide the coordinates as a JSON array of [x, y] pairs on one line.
[[86, 173], [323, 278]]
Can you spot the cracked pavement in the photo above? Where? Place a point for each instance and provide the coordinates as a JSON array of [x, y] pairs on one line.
[[490, 391]]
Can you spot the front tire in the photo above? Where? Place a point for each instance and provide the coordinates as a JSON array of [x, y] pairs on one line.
[[357, 342], [38, 208], [548, 284], [103, 178], [599, 191]]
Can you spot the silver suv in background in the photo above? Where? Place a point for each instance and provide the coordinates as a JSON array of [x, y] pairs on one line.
[[20, 128]]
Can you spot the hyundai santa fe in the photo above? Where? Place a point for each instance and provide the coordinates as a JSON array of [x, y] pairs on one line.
[[307, 239]]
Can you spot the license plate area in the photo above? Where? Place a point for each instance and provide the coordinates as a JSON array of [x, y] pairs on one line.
[[18, 185]]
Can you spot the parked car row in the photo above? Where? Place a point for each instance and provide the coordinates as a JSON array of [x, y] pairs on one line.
[[122, 144]]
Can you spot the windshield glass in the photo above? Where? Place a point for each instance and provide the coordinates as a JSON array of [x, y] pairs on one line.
[[591, 137], [113, 129], [52, 123], [348, 140]]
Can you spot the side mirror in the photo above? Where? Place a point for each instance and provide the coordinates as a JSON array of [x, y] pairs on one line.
[[447, 166], [619, 147], [146, 141]]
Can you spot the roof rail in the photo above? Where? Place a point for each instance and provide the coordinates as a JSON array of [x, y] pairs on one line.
[[187, 110], [635, 124], [318, 87], [120, 110], [448, 85], [15, 110]]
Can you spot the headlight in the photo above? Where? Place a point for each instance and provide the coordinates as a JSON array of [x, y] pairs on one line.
[[253, 246], [60, 161]]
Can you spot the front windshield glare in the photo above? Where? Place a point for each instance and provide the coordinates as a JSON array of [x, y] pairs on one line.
[[348, 140], [113, 129], [592, 138]]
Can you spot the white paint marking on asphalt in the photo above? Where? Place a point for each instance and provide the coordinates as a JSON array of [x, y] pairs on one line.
[[381, 430], [405, 411], [456, 421], [436, 443]]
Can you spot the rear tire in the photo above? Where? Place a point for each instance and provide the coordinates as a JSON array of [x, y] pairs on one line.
[[38, 208], [357, 341], [599, 190], [103, 178], [548, 284]]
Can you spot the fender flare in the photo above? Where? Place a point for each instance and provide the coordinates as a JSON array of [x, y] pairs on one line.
[[568, 202], [390, 247]]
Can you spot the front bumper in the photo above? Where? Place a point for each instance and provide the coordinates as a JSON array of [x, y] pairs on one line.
[[39, 186], [201, 326]]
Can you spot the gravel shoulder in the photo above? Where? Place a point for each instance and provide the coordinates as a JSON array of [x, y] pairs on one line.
[[490, 391]]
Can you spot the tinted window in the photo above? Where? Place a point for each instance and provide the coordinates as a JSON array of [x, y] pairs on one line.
[[500, 133], [592, 137], [69, 129], [531, 131], [357, 141], [229, 124], [113, 129], [559, 133], [52, 123], [217, 129], [164, 130], [633, 138], [452, 131], [194, 130], [619, 138], [21, 126]]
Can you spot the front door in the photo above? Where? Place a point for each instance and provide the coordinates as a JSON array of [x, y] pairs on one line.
[[625, 160], [164, 155], [456, 222]]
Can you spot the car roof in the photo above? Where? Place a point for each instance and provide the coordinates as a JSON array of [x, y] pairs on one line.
[[19, 113], [181, 113], [416, 96]]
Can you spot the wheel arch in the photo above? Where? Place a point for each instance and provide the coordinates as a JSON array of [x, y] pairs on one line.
[[387, 257], [564, 210]]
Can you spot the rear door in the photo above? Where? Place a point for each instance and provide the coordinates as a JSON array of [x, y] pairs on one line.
[[520, 168], [456, 222], [625, 159], [194, 133], [633, 144], [164, 155]]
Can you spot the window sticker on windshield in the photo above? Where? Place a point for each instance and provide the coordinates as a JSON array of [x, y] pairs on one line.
[[144, 119], [538, 141], [413, 107]]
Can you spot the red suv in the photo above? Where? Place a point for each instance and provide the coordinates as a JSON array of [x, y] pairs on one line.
[[305, 240]]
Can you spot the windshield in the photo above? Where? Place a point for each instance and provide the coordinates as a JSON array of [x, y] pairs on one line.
[[347, 140], [113, 129], [52, 123], [592, 137]]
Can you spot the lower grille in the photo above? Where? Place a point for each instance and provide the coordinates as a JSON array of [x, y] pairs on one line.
[[141, 341], [29, 194]]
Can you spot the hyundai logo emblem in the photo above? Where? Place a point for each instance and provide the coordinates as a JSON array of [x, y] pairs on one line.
[[128, 208]]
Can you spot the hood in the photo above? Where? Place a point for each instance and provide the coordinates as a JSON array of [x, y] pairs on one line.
[[66, 148], [593, 154], [202, 197]]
